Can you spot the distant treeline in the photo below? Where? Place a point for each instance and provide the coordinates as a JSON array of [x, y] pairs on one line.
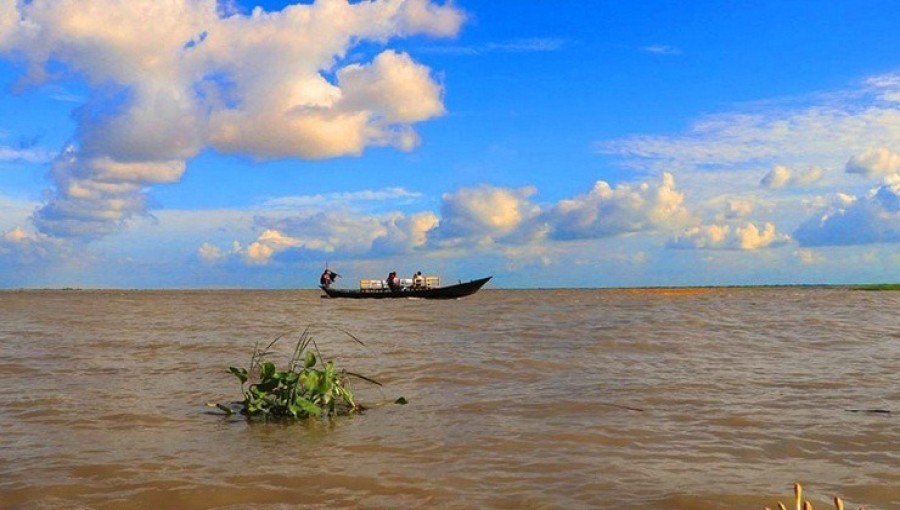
[[880, 286]]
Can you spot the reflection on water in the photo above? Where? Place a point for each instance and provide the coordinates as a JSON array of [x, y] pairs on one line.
[[674, 399]]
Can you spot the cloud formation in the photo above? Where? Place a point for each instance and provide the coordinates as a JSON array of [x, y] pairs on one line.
[[486, 213], [873, 218], [483, 217], [173, 78], [19, 246], [747, 237], [781, 176], [816, 130], [10, 154], [315, 236], [606, 211], [530, 45], [874, 162], [661, 49], [394, 195]]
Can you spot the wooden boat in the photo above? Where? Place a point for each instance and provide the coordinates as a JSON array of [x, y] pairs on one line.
[[449, 292]]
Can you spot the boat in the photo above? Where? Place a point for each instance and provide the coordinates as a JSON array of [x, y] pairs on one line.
[[377, 289]]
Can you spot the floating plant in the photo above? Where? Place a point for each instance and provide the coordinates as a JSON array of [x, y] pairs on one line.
[[308, 387]]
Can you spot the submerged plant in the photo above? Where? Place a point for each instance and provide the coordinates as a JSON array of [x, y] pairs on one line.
[[804, 504], [307, 387]]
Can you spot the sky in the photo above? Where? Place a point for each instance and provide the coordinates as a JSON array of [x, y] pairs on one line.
[[232, 144]]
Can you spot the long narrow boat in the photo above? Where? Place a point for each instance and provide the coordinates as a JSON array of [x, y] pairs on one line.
[[449, 292]]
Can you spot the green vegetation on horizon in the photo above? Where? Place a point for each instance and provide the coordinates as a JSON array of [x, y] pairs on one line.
[[880, 286]]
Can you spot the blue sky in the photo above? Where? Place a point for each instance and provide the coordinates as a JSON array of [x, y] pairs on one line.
[[216, 144]]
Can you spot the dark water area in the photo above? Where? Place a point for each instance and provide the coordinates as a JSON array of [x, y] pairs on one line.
[[626, 399]]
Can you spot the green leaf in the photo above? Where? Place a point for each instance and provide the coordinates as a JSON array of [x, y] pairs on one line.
[[310, 380], [310, 408], [240, 373], [310, 360], [267, 369]]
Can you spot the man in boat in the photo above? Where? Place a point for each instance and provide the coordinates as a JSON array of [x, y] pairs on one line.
[[328, 277], [392, 281]]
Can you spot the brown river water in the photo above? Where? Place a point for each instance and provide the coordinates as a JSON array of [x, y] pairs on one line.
[[659, 399]]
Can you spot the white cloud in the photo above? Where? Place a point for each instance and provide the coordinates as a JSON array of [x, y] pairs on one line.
[[500, 220], [8, 21], [873, 218], [814, 130], [393, 86], [26, 155], [738, 208], [778, 177], [486, 212], [662, 49], [317, 235], [529, 45], [810, 176], [781, 176], [747, 237], [392, 195], [607, 211], [181, 76], [809, 257], [874, 162], [405, 233], [750, 237], [19, 246], [210, 253]]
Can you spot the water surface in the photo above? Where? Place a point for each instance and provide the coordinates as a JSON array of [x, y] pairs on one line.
[[668, 399]]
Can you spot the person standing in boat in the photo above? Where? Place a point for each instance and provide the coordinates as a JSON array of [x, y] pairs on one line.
[[328, 277], [418, 280]]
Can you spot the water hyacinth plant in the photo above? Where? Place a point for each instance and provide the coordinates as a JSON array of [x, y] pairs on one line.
[[307, 387], [804, 504]]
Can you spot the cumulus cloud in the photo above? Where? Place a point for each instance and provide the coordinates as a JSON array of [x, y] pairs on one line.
[[747, 237], [173, 78], [778, 177], [9, 18], [781, 176], [317, 235], [210, 253], [737, 208], [874, 162], [606, 211], [872, 218], [19, 246], [809, 257], [486, 212], [504, 220]]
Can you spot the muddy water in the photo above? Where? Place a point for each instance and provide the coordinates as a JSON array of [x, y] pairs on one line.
[[517, 399]]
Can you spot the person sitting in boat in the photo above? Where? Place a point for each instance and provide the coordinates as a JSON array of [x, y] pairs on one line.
[[328, 277], [393, 281]]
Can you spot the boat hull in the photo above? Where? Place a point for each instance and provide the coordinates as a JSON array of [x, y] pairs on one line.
[[449, 292]]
